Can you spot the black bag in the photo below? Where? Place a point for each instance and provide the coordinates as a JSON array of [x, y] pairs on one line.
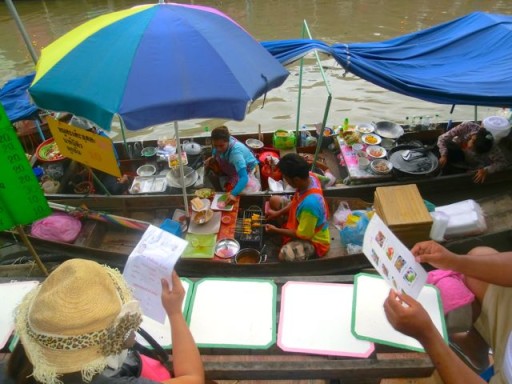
[[132, 366]]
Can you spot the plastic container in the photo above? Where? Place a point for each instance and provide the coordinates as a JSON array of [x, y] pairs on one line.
[[499, 126], [284, 139], [171, 226], [439, 225]]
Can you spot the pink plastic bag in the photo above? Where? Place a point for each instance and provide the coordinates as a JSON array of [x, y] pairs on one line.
[[152, 369], [57, 227]]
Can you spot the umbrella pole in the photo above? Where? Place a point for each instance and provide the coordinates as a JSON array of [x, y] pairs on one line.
[[31, 249], [180, 162], [23, 31]]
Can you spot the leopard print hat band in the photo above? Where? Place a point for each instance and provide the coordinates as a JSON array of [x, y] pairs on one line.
[[80, 315]]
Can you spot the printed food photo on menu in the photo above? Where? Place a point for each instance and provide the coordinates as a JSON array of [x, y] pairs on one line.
[[375, 257], [380, 238], [410, 276], [390, 252], [399, 263], [385, 271]]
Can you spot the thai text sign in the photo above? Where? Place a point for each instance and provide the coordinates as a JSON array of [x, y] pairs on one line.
[[85, 147], [21, 199]]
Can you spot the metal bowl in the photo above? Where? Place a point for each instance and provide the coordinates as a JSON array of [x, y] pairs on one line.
[[254, 143], [146, 170], [227, 248], [388, 129]]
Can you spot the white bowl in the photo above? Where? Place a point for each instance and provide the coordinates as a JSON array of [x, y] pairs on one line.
[[254, 143], [375, 151], [371, 139], [363, 163], [365, 128]]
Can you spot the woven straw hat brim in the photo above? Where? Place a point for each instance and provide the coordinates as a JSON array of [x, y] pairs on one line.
[[80, 297]]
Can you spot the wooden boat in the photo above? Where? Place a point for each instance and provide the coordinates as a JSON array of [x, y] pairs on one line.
[[111, 243], [442, 188]]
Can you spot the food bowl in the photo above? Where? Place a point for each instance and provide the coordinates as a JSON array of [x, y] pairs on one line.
[[365, 128], [376, 152], [248, 256], [146, 170], [226, 220], [254, 143], [381, 166], [202, 217], [371, 139], [49, 151], [148, 151], [363, 163], [227, 248]]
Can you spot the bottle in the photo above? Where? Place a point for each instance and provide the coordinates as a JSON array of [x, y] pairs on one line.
[[345, 124]]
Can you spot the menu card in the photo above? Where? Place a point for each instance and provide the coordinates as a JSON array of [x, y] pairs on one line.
[[392, 259], [152, 259]]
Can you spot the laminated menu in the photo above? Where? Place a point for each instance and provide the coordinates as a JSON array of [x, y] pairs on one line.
[[392, 259]]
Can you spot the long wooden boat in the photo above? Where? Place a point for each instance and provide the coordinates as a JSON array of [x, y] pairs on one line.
[[111, 243], [442, 188]]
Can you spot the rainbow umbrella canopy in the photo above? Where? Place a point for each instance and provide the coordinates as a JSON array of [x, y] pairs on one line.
[[153, 64]]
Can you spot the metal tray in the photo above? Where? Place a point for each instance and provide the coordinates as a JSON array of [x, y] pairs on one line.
[[148, 184]]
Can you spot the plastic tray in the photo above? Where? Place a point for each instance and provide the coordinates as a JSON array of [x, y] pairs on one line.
[[148, 184]]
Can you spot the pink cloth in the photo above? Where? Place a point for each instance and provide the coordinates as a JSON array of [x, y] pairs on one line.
[[59, 227], [152, 369], [454, 293]]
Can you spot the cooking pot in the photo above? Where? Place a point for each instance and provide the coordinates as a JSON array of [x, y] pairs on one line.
[[413, 160], [191, 147], [249, 256]]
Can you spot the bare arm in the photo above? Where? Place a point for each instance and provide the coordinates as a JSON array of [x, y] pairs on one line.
[[493, 268], [413, 320], [188, 367]]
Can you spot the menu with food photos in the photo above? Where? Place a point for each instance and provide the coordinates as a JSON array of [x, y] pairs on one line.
[[392, 259]]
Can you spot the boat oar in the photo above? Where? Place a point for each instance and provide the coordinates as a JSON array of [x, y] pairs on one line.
[[102, 216]]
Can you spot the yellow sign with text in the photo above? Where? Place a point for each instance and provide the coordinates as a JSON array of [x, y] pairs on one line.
[[85, 147]]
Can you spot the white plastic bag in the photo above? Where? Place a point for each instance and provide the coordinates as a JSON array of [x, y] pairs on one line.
[[340, 216]]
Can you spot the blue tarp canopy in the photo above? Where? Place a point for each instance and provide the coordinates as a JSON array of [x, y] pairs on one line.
[[16, 100], [466, 61]]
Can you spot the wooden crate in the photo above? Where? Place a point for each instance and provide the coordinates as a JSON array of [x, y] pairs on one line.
[[402, 208]]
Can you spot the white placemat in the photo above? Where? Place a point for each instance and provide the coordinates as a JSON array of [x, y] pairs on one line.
[[369, 321], [162, 332], [11, 294], [233, 313], [316, 317]]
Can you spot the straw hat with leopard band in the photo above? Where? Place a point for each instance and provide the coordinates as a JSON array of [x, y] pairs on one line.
[[78, 317]]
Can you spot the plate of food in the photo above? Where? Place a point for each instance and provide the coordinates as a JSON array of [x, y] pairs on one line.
[[219, 202], [376, 152], [365, 128], [199, 205], [202, 217], [49, 151], [371, 139], [204, 193]]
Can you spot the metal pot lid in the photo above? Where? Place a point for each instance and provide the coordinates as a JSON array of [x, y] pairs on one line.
[[417, 166], [388, 129]]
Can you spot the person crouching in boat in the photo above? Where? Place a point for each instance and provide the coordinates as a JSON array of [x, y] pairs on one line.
[[470, 146], [234, 163], [306, 233]]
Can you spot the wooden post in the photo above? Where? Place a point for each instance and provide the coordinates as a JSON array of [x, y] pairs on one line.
[[31, 249]]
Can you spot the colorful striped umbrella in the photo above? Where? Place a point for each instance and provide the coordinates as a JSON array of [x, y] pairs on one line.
[[153, 64]]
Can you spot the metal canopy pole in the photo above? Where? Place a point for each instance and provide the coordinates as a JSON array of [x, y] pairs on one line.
[[21, 27]]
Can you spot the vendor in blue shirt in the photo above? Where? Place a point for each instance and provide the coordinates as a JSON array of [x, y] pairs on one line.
[[234, 163]]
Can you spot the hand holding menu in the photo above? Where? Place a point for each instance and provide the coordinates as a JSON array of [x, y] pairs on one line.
[[392, 259], [151, 260]]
